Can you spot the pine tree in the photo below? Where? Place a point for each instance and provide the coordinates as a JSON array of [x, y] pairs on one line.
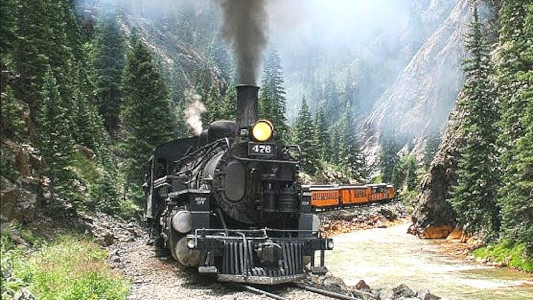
[[29, 61], [11, 123], [109, 60], [332, 105], [145, 117], [229, 104], [272, 102], [321, 134], [303, 134], [55, 141], [333, 151], [474, 196], [515, 70], [389, 159], [8, 25], [350, 155]]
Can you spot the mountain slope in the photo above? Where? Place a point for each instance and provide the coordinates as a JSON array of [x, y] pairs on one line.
[[419, 101]]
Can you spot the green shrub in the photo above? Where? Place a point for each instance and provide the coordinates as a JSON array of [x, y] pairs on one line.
[[509, 252], [70, 267]]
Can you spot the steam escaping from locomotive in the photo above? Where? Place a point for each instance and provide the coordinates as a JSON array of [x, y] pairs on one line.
[[244, 29], [193, 113]]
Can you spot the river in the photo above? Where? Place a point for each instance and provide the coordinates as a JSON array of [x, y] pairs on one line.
[[388, 257]]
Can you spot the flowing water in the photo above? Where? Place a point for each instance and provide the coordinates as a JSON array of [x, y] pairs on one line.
[[388, 257]]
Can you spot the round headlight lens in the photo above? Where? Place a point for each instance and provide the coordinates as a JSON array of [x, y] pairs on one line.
[[262, 130]]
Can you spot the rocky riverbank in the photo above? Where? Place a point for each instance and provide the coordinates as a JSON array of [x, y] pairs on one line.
[[156, 276], [363, 217]]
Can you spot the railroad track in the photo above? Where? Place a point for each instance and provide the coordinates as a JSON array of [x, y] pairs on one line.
[[301, 286]]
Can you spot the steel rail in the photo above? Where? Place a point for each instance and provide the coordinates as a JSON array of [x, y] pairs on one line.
[[324, 292], [262, 292]]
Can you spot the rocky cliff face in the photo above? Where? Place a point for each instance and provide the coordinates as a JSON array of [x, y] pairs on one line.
[[179, 59], [419, 101], [433, 216]]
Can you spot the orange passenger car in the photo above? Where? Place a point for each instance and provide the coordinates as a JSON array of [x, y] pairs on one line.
[[354, 194], [324, 197], [378, 192], [391, 192]]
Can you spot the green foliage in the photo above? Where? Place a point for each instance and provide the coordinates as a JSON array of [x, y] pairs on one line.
[[514, 84], [84, 167], [213, 102], [145, 120], [349, 154], [321, 134], [389, 159], [405, 174], [109, 61], [9, 257], [511, 253], [332, 104], [57, 146], [302, 135], [474, 196], [12, 124], [272, 102], [68, 268]]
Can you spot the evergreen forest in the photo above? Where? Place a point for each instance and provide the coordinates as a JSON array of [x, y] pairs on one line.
[[88, 90]]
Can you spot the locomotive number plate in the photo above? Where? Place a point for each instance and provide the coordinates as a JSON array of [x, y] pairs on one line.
[[260, 149]]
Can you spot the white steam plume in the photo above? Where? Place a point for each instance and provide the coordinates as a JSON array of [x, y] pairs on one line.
[[194, 112]]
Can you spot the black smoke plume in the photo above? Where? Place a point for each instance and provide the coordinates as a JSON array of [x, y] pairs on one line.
[[244, 30]]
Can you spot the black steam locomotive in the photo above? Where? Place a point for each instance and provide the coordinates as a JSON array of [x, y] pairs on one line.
[[229, 202]]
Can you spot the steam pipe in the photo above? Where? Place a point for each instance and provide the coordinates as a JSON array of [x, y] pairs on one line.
[[247, 102]]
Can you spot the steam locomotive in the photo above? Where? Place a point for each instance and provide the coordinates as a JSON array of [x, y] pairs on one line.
[[229, 202]]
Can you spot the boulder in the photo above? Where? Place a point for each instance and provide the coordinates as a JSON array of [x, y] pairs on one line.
[[17, 204], [403, 291], [433, 216], [426, 295], [456, 234], [362, 286]]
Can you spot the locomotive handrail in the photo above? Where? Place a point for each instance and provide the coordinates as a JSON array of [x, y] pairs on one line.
[[262, 230], [273, 161]]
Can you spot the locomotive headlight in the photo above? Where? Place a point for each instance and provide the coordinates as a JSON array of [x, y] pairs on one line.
[[262, 130]]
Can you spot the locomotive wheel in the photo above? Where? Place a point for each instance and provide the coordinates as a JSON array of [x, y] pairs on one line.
[[173, 238]]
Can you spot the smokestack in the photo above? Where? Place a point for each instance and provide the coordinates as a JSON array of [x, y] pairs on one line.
[[247, 99]]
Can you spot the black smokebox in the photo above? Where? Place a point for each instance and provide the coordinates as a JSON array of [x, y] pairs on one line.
[[247, 100]]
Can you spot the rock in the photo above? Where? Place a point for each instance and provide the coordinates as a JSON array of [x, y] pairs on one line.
[[23, 294], [387, 213], [362, 286], [17, 203], [456, 234], [436, 232], [432, 212], [386, 295], [426, 295], [403, 291], [88, 153], [334, 284], [107, 238]]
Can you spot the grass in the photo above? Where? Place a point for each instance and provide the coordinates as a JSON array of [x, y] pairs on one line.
[[68, 267], [510, 253]]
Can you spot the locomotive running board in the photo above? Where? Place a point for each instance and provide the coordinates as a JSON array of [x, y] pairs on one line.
[[260, 279]]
